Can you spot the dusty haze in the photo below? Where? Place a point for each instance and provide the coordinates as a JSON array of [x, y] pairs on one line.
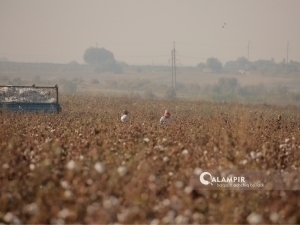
[[143, 32]]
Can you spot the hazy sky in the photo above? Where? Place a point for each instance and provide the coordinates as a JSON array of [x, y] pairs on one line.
[[143, 31]]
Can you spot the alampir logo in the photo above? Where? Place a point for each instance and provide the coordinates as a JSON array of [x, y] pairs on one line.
[[203, 181], [206, 178], [245, 179]]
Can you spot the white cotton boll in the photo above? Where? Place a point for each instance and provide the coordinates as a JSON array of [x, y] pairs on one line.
[[151, 178], [123, 215], [165, 220], [5, 166], [253, 155], [155, 222], [64, 184], [11, 218], [179, 184], [159, 147], [197, 171], [57, 221], [171, 173], [166, 159], [99, 167], [198, 216], [71, 165], [48, 140], [8, 217], [110, 202], [188, 189], [68, 193], [146, 139], [64, 213], [89, 181], [185, 152], [122, 170], [259, 154], [274, 217], [254, 218], [31, 166], [283, 146], [181, 219], [243, 162], [31, 209], [166, 202]]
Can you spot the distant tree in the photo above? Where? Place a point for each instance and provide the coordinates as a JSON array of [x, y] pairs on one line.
[[214, 64], [294, 66], [201, 66], [266, 66], [96, 56], [240, 64], [118, 69]]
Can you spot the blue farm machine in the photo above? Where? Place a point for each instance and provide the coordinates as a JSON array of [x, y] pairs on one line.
[[29, 99]]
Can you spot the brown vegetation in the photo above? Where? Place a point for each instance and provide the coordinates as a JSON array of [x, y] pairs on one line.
[[85, 166]]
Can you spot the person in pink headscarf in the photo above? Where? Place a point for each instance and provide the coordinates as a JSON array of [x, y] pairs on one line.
[[166, 118]]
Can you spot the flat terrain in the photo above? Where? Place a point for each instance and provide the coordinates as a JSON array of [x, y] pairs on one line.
[[155, 78], [85, 166], [197, 77]]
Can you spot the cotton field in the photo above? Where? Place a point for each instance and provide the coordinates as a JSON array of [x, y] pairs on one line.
[[85, 165]]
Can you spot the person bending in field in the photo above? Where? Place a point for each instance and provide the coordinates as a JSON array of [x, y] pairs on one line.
[[125, 116], [166, 118]]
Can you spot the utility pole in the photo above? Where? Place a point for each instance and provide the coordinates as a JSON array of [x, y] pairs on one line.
[[173, 55], [174, 52], [287, 53], [96, 53], [248, 50], [172, 70]]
